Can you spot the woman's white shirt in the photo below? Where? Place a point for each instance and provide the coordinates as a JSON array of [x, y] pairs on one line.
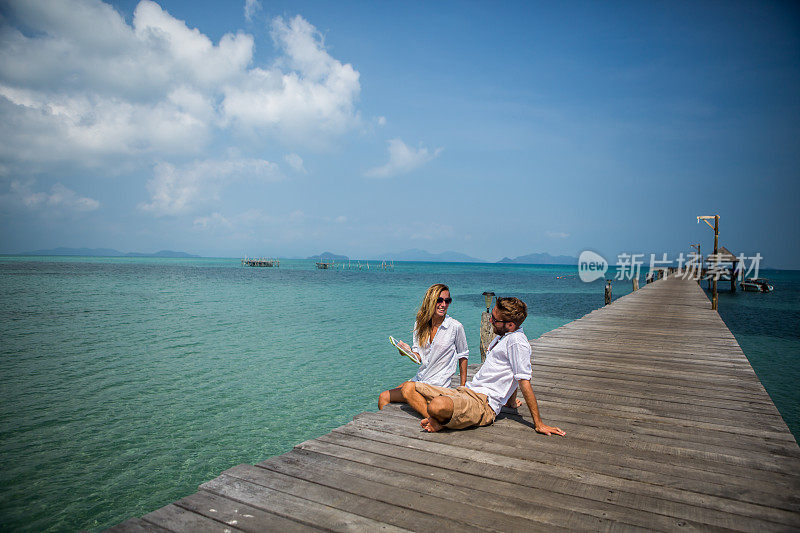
[[440, 357]]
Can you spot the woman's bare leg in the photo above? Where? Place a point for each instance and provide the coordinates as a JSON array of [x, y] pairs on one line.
[[389, 396]]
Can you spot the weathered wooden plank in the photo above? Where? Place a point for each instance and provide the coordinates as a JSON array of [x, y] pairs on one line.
[[604, 447], [311, 486], [471, 505], [623, 432], [240, 515], [670, 434], [621, 507], [299, 509], [136, 525], [174, 518], [674, 487], [546, 476], [630, 466], [687, 421], [518, 426], [625, 364], [727, 409]]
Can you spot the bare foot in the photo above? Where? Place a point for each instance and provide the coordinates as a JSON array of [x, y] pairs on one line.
[[430, 424]]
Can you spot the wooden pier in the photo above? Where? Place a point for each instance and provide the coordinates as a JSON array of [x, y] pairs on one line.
[[668, 428]]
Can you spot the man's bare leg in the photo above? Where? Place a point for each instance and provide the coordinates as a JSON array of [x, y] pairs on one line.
[[390, 396], [416, 400], [440, 411]]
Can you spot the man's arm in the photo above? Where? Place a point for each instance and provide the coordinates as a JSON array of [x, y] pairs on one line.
[[530, 399], [462, 369]]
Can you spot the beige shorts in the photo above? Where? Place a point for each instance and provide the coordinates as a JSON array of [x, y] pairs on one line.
[[470, 408]]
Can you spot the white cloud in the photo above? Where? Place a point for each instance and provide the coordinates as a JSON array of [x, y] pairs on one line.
[[214, 220], [381, 121], [341, 219], [82, 85], [251, 7], [181, 190], [297, 216], [307, 91], [402, 160], [296, 162], [59, 128], [254, 217], [58, 199], [557, 234]]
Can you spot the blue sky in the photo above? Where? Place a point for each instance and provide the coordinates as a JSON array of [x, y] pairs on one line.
[[489, 128]]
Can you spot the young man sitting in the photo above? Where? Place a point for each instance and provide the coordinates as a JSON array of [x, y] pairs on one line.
[[507, 366]]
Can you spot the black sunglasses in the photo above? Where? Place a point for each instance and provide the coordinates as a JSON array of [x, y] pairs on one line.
[[445, 300]]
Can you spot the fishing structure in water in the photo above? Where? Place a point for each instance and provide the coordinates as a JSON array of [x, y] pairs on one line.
[[355, 264], [260, 262]]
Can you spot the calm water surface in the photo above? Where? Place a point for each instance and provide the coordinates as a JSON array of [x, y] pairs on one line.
[[126, 382]]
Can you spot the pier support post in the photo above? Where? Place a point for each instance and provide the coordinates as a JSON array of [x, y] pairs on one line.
[[635, 284], [487, 332], [608, 291]]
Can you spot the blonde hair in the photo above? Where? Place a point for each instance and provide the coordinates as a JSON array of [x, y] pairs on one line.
[[426, 312], [512, 310]]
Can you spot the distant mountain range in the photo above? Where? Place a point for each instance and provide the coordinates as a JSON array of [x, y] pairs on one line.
[[415, 254], [542, 259], [106, 252]]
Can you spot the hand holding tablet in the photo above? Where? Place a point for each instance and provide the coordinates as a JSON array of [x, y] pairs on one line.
[[411, 355]]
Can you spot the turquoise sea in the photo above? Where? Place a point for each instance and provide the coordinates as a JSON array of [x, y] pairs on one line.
[[127, 382]]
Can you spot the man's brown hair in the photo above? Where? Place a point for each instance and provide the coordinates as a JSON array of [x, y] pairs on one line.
[[512, 310]]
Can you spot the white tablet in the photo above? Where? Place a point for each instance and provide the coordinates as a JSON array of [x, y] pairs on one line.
[[410, 355]]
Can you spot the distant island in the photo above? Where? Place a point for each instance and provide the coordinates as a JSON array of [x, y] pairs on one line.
[[542, 259], [328, 256], [106, 252]]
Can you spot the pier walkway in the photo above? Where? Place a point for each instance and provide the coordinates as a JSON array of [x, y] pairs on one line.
[[668, 428]]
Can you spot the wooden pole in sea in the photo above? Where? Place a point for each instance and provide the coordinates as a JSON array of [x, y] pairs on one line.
[[635, 284], [487, 332], [608, 291]]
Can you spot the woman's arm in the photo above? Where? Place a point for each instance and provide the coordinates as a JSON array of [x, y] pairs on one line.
[[462, 367], [462, 352]]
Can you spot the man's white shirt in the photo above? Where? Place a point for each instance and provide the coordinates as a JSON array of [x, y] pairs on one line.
[[440, 357], [508, 359]]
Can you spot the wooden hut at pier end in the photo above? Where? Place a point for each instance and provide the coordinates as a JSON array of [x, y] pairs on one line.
[[726, 264]]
